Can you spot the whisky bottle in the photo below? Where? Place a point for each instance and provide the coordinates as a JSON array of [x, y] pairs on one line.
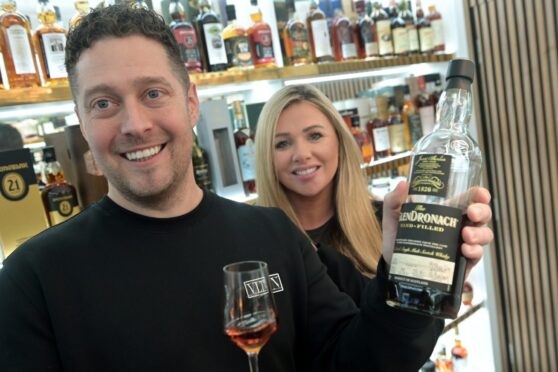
[[400, 35], [59, 197], [424, 28], [410, 116], [237, 43], [377, 128], [467, 296], [366, 33], [17, 48], [397, 131], [459, 354], [82, 8], [261, 40], [436, 23], [425, 107], [363, 141], [320, 41], [185, 35], [50, 41], [200, 161], [411, 27], [295, 40], [245, 148], [210, 32], [383, 29], [344, 43], [427, 269]]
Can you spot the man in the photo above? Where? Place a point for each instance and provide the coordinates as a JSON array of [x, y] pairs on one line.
[[10, 138], [134, 283]]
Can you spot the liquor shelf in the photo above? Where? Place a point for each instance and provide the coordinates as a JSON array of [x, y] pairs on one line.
[[387, 163], [39, 95]]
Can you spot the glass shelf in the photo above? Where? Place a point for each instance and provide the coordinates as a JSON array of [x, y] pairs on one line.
[[54, 94], [387, 163]]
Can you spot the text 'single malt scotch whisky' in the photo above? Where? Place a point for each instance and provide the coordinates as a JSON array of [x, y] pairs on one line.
[[427, 269], [16, 46], [50, 41]]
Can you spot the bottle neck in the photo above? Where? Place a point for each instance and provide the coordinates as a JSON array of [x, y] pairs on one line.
[[454, 109]]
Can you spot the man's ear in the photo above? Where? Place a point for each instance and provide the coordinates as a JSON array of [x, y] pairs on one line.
[[193, 103]]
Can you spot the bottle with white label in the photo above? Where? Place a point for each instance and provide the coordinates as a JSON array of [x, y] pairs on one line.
[[50, 40], [320, 40], [383, 30], [437, 24], [210, 32], [17, 49], [343, 37], [245, 147], [427, 269]]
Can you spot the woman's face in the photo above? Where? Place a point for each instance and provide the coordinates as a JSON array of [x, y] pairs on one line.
[[306, 152]]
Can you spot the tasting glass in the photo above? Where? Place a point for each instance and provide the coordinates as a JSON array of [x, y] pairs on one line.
[[249, 313]]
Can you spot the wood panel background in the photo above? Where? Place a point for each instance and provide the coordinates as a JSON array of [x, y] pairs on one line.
[[515, 47]]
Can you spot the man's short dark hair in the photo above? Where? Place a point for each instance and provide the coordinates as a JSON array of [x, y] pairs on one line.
[[10, 138], [121, 21]]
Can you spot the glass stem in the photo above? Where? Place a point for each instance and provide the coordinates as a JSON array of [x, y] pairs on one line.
[[253, 360]]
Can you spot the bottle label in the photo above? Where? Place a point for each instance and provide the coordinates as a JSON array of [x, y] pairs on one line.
[[426, 39], [427, 119], [201, 174], [238, 51], [415, 128], [413, 38], [426, 245], [263, 46], [188, 45], [20, 49], [381, 139], [299, 42], [383, 28], [430, 175], [216, 53], [320, 35], [348, 51], [397, 138], [62, 207], [247, 160], [438, 32], [53, 49], [371, 49], [400, 40]]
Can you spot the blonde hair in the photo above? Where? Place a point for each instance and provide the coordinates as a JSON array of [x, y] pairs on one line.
[[361, 237]]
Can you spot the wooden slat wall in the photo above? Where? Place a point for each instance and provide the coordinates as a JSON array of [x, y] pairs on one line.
[[515, 44]]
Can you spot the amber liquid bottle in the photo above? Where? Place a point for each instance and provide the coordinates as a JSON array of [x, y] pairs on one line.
[[344, 43], [82, 8], [210, 32], [59, 197], [425, 107], [17, 48], [427, 268], [295, 40], [400, 36], [50, 41], [383, 29], [397, 131], [320, 40], [200, 161], [436, 23], [185, 35], [426, 35], [245, 148], [411, 27], [237, 43], [261, 40], [366, 33], [378, 131]]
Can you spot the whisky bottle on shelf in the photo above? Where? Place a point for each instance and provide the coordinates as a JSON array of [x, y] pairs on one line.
[[200, 161], [295, 40], [397, 131], [383, 29], [426, 107], [50, 41], [59, 197], [185, 35], [410, 116], [436, 23], [442, 363], [459, 354], [320, 41], [17, 48], [392, 10], [245, 147], [411, 27], [400, 35], [467, 296], [377, 128], [424, 28], [344, 43], [237, 43], [427, 269], [366, 33], [261, 40], [210, 32], [82, 8]]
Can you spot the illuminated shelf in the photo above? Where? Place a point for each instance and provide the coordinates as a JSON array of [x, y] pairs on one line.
[[40, 95], [388, 163]]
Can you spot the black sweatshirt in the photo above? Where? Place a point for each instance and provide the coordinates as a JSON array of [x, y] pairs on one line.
[[111, 290]]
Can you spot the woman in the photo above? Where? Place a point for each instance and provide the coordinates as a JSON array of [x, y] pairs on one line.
[[315, 178]]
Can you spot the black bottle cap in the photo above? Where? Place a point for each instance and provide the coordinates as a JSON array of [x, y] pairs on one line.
[[460, 74], [231, 12], [49, 155]]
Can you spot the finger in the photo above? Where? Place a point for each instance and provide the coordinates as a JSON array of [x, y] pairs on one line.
[[473, 253], [480, 235], [479, 213], [395, 198], [480, 195]]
